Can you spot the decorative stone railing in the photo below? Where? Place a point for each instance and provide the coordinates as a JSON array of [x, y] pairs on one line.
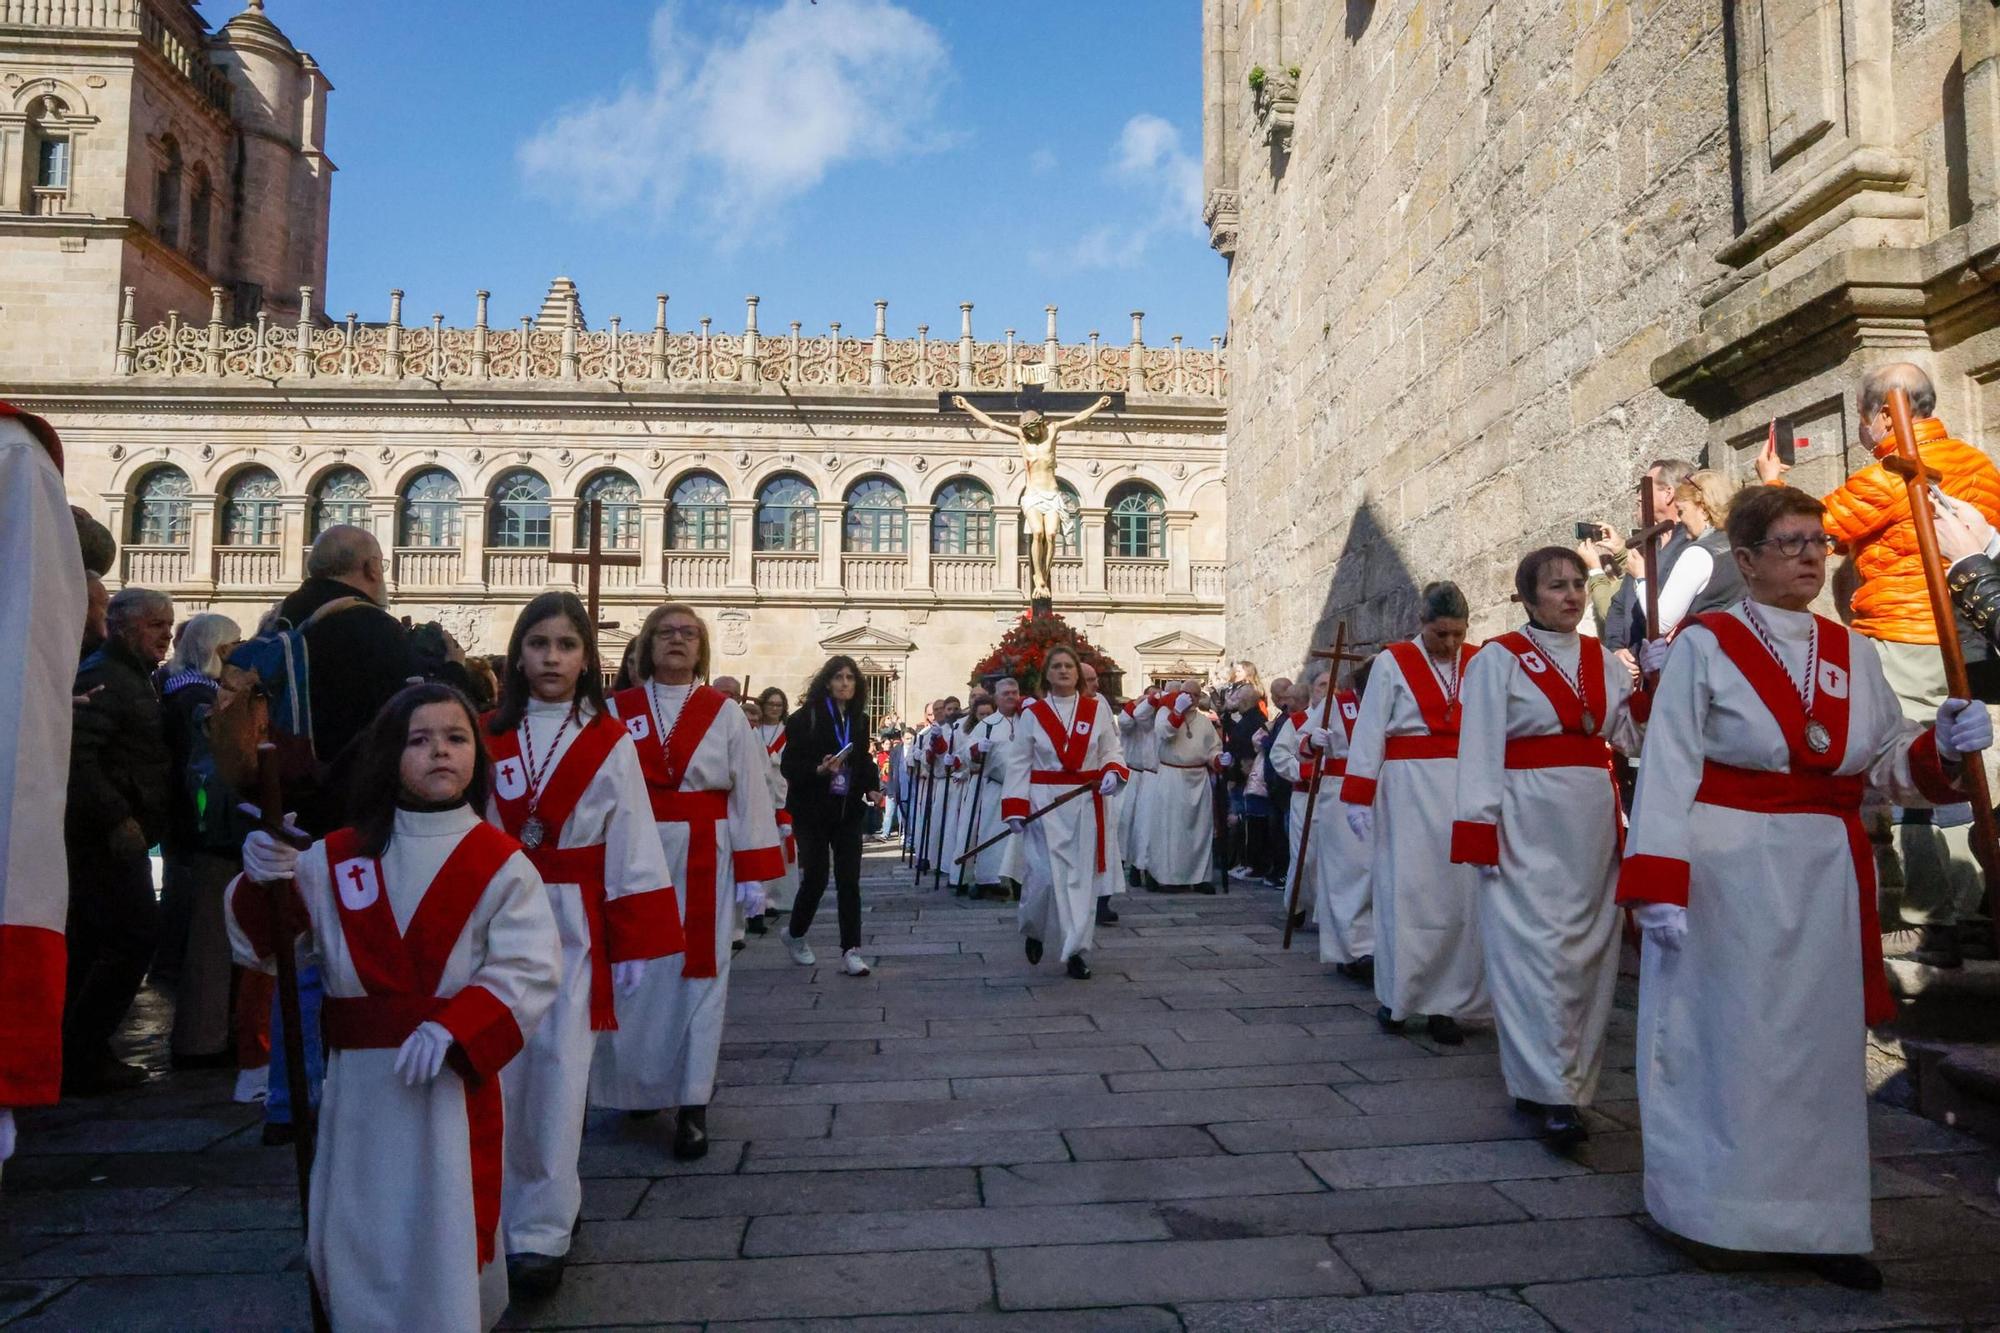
[[427, 566], [156, 566], [786, 572], [246, 566], [1066, 577], [1135, 578], [696, 573], [517, 569], [353, 351], [1209, 580], [962, 575], [875, 573]]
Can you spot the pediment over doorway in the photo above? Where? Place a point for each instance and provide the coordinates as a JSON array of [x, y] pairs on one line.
[[867, 639]]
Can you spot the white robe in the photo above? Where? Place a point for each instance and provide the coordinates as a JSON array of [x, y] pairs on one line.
[[670, 1030], [1337, 876], [1752, 1038], [1180, 815], [782, 891], [997, 739], [1547, 920], [41, 619], [1427, 953], [964, 786], [1059, 896], [547, 1085], [390, 1236], [1142, 756], [932, 782]]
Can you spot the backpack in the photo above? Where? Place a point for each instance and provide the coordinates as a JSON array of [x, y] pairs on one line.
[[216, 823], [265, 695]]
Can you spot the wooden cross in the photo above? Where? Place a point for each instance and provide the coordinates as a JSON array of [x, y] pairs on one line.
[[1337, 654], [594, 559], [1030, 397], [1647, 541]]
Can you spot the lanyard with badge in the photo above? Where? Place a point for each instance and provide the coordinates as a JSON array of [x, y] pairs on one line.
[[843, 729]]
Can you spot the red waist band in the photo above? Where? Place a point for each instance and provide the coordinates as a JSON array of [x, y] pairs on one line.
[[1566, 750], [1052, 777], [1420, 747], [374, 1022], [584, 867], [684, 807]]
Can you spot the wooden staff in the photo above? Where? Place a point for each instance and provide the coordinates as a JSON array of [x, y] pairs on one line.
[[1336, 657], [944, 832], [1647, 539], [1061, 800], [978, 779], [271, 817], [1908, 464]]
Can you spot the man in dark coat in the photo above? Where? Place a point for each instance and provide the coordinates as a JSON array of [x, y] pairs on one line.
[[119, 779]]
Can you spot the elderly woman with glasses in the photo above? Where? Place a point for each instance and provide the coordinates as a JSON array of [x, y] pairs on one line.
[[1754, 883]]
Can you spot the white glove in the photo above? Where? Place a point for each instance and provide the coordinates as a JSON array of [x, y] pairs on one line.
[[1653, 656], [1488, 873], [1963, 728], [1183, 701], [423, 1054], [1015, 823], [750, 897], [1109, 784], [1362, 820], [6, 1133], [1225, 759], [267, 858], [626, 976], [1665, 924], [1320, 738]]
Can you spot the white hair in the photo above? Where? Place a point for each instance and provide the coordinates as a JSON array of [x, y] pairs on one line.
[[195, 647], [129, 604]]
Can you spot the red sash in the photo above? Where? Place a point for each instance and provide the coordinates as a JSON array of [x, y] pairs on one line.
[[1312, 770], [774, 749], [1440, 715], [401, 971], [1071, 746], [1811, 787], [582, 866], [1589, 673], [665, 767]]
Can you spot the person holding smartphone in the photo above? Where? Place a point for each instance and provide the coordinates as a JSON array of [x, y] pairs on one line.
[[831, 781]]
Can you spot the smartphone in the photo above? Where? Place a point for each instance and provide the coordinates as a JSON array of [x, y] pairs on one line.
[[1785, 436], [1586, 532]]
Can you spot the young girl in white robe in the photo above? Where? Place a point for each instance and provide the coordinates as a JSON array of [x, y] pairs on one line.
[[1336, 870], [772, 709], [567, 787], [439, 956]]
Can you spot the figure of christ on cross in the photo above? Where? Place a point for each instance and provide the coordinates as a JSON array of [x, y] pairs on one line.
[[1042, 512], [594, 559]]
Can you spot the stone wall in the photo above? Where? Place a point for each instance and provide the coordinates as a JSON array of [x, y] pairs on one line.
[[1490, 257]]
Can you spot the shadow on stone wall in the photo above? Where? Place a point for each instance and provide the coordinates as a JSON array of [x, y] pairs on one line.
[[1371, 589]]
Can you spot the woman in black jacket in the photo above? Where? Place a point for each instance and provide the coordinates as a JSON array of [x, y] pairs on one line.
[[831, 781]]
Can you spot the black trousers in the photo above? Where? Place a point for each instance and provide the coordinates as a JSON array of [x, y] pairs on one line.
[[836, 847], [113, 928]]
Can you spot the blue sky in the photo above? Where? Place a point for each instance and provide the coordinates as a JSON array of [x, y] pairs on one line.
[[1011, 153]]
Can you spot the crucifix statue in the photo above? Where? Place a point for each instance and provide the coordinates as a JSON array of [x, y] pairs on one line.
[[594, 560], [1042, 511]]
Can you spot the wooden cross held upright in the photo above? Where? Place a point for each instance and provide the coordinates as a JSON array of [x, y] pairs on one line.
[[1918, 479], [1338, 654], [594, 559]]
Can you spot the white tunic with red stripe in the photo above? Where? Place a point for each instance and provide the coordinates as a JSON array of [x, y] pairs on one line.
[[609, 889], [995, 738], [1752, 1034], [1536, 797], [784, 890], [1403, 761], [451, 925], [707, 777], [1142, 756], [1070, 858], [1336, 882], [41, 619], [1179, 837]]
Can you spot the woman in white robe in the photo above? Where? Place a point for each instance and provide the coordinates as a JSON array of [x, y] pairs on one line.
[[1142, 756], [1180, 833], [772, 710], [964, 780], [439, 957], [708, 779], [1753, 881], [1538, 814], [1067, 742], [992, 750], [1402, 777], [1305, 753]]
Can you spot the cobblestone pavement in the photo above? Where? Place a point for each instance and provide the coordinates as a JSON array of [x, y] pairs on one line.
[[1211, 1134]]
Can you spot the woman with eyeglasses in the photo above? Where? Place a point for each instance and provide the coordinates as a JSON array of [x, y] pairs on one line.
[[1750, 874]]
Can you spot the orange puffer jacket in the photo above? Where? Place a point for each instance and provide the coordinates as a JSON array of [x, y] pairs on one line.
[[1870, 515]]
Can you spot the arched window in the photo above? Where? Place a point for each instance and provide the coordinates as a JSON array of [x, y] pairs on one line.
[[250, 509], [618, 495], [430, 510], [167, 194], [200, 205], [1069, 542], [1136, 528], [876, 523], [160, 508], [787, 515], [340, 497], [520, 513], [962, 523], [698, 514]]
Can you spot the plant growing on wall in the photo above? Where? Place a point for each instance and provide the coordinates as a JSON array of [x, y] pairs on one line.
[[1256, 78]]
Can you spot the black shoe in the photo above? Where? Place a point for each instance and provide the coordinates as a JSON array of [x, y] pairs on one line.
[[736, 946], [1532, 1108], [1443, 1029], [1034, 951], [1105, 916], [1563, 1127], [534, 1276], [1078, 969], [278, 1133], [754, 926], [1937, 946], [91, 1077], [1362, 969], [219, 1060], [642, 1115], [1299, 920], [1975, 941], [1388, 1021], [1843, 1270], [691, 1133]]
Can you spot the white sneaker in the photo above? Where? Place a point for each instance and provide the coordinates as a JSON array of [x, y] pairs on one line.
[[850, 963], [252, 1085], [801, 952]]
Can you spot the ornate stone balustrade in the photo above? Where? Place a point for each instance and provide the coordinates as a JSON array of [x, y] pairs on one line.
[[1209, 580], [696, 573], [156, 566], [247, 566], [1066, 577], [786, 572], [517, 569], [354, 351], [875, 573], [1135, 578], [961, 576], [427, 566]]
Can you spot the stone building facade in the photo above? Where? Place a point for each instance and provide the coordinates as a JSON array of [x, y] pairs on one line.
[[1488, 258], [801, 489]]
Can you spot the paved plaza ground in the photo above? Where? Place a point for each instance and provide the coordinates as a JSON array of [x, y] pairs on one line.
[[1211, 1134]]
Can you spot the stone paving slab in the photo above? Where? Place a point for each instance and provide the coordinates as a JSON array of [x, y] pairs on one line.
[[111, 1253], [1435, 1163], [1127, 1319], [990, 1227], [174, 1304], [1090, 1145], [1422, 1312], [1204, 1107], [815, 1285], [1154, 1178], [1507, 1253], [1335, 1212], [1172, 1271], [811, 1192]]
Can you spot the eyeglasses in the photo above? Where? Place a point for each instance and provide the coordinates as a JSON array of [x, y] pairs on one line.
[[1789, 547], [678, 633]]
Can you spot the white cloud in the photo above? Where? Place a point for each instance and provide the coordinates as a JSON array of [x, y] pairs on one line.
[[1161, 182], [1041, 161], [749, 119]]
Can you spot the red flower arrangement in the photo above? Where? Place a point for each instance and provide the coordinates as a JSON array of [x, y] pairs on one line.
[[1025, 647]]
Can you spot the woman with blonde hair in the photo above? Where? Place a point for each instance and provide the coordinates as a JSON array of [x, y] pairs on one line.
[[1704, 577]]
